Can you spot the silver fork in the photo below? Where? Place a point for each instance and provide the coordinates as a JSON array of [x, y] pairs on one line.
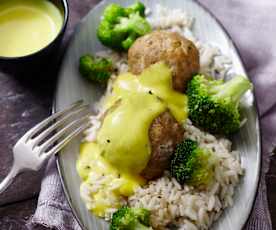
[[46, 139]]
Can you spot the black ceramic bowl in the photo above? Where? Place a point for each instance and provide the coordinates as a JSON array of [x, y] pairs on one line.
[[42, 57]]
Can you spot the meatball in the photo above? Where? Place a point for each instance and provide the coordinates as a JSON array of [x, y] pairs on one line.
[[164, 134], [177, 52]]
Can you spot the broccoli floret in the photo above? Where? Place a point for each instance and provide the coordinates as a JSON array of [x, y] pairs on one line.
[[95, 69], [127, 218], [137, 7], [214, 105], [191, 164], [120, 26]]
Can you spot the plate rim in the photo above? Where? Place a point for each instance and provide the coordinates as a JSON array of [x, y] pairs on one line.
[[255, 105], [256, 108]]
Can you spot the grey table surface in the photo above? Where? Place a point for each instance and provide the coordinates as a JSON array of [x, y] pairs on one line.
[[24, 102]]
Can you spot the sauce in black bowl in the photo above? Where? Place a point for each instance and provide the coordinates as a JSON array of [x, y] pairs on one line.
[[32, 32]]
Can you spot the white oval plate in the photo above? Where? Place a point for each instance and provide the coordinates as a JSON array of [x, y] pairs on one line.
[[71, 87]]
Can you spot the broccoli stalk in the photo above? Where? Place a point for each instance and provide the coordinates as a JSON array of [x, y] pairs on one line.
[[214, 104], [127, 218], [232, 90], [191, 164], [120, 26], [95, 69]]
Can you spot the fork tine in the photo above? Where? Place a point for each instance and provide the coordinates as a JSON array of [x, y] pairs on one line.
[[42, 124], [61, 132], [46, 132], [65, 141]]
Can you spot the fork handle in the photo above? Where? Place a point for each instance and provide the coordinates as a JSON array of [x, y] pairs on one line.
[[8, 179]]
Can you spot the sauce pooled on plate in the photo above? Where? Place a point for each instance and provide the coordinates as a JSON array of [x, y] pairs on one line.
[[122, 149]]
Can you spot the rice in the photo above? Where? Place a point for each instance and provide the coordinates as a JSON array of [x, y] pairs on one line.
[[98, 182], [171, 204], [185, 206]]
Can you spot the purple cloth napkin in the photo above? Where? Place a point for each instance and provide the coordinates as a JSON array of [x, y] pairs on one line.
[[53, 210], [252, 27]]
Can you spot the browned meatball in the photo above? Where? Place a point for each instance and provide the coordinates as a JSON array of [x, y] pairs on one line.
[[176, 51], [164, 134]]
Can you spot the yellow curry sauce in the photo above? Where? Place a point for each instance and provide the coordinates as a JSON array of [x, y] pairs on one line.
[[27, 26], [122, 145]]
